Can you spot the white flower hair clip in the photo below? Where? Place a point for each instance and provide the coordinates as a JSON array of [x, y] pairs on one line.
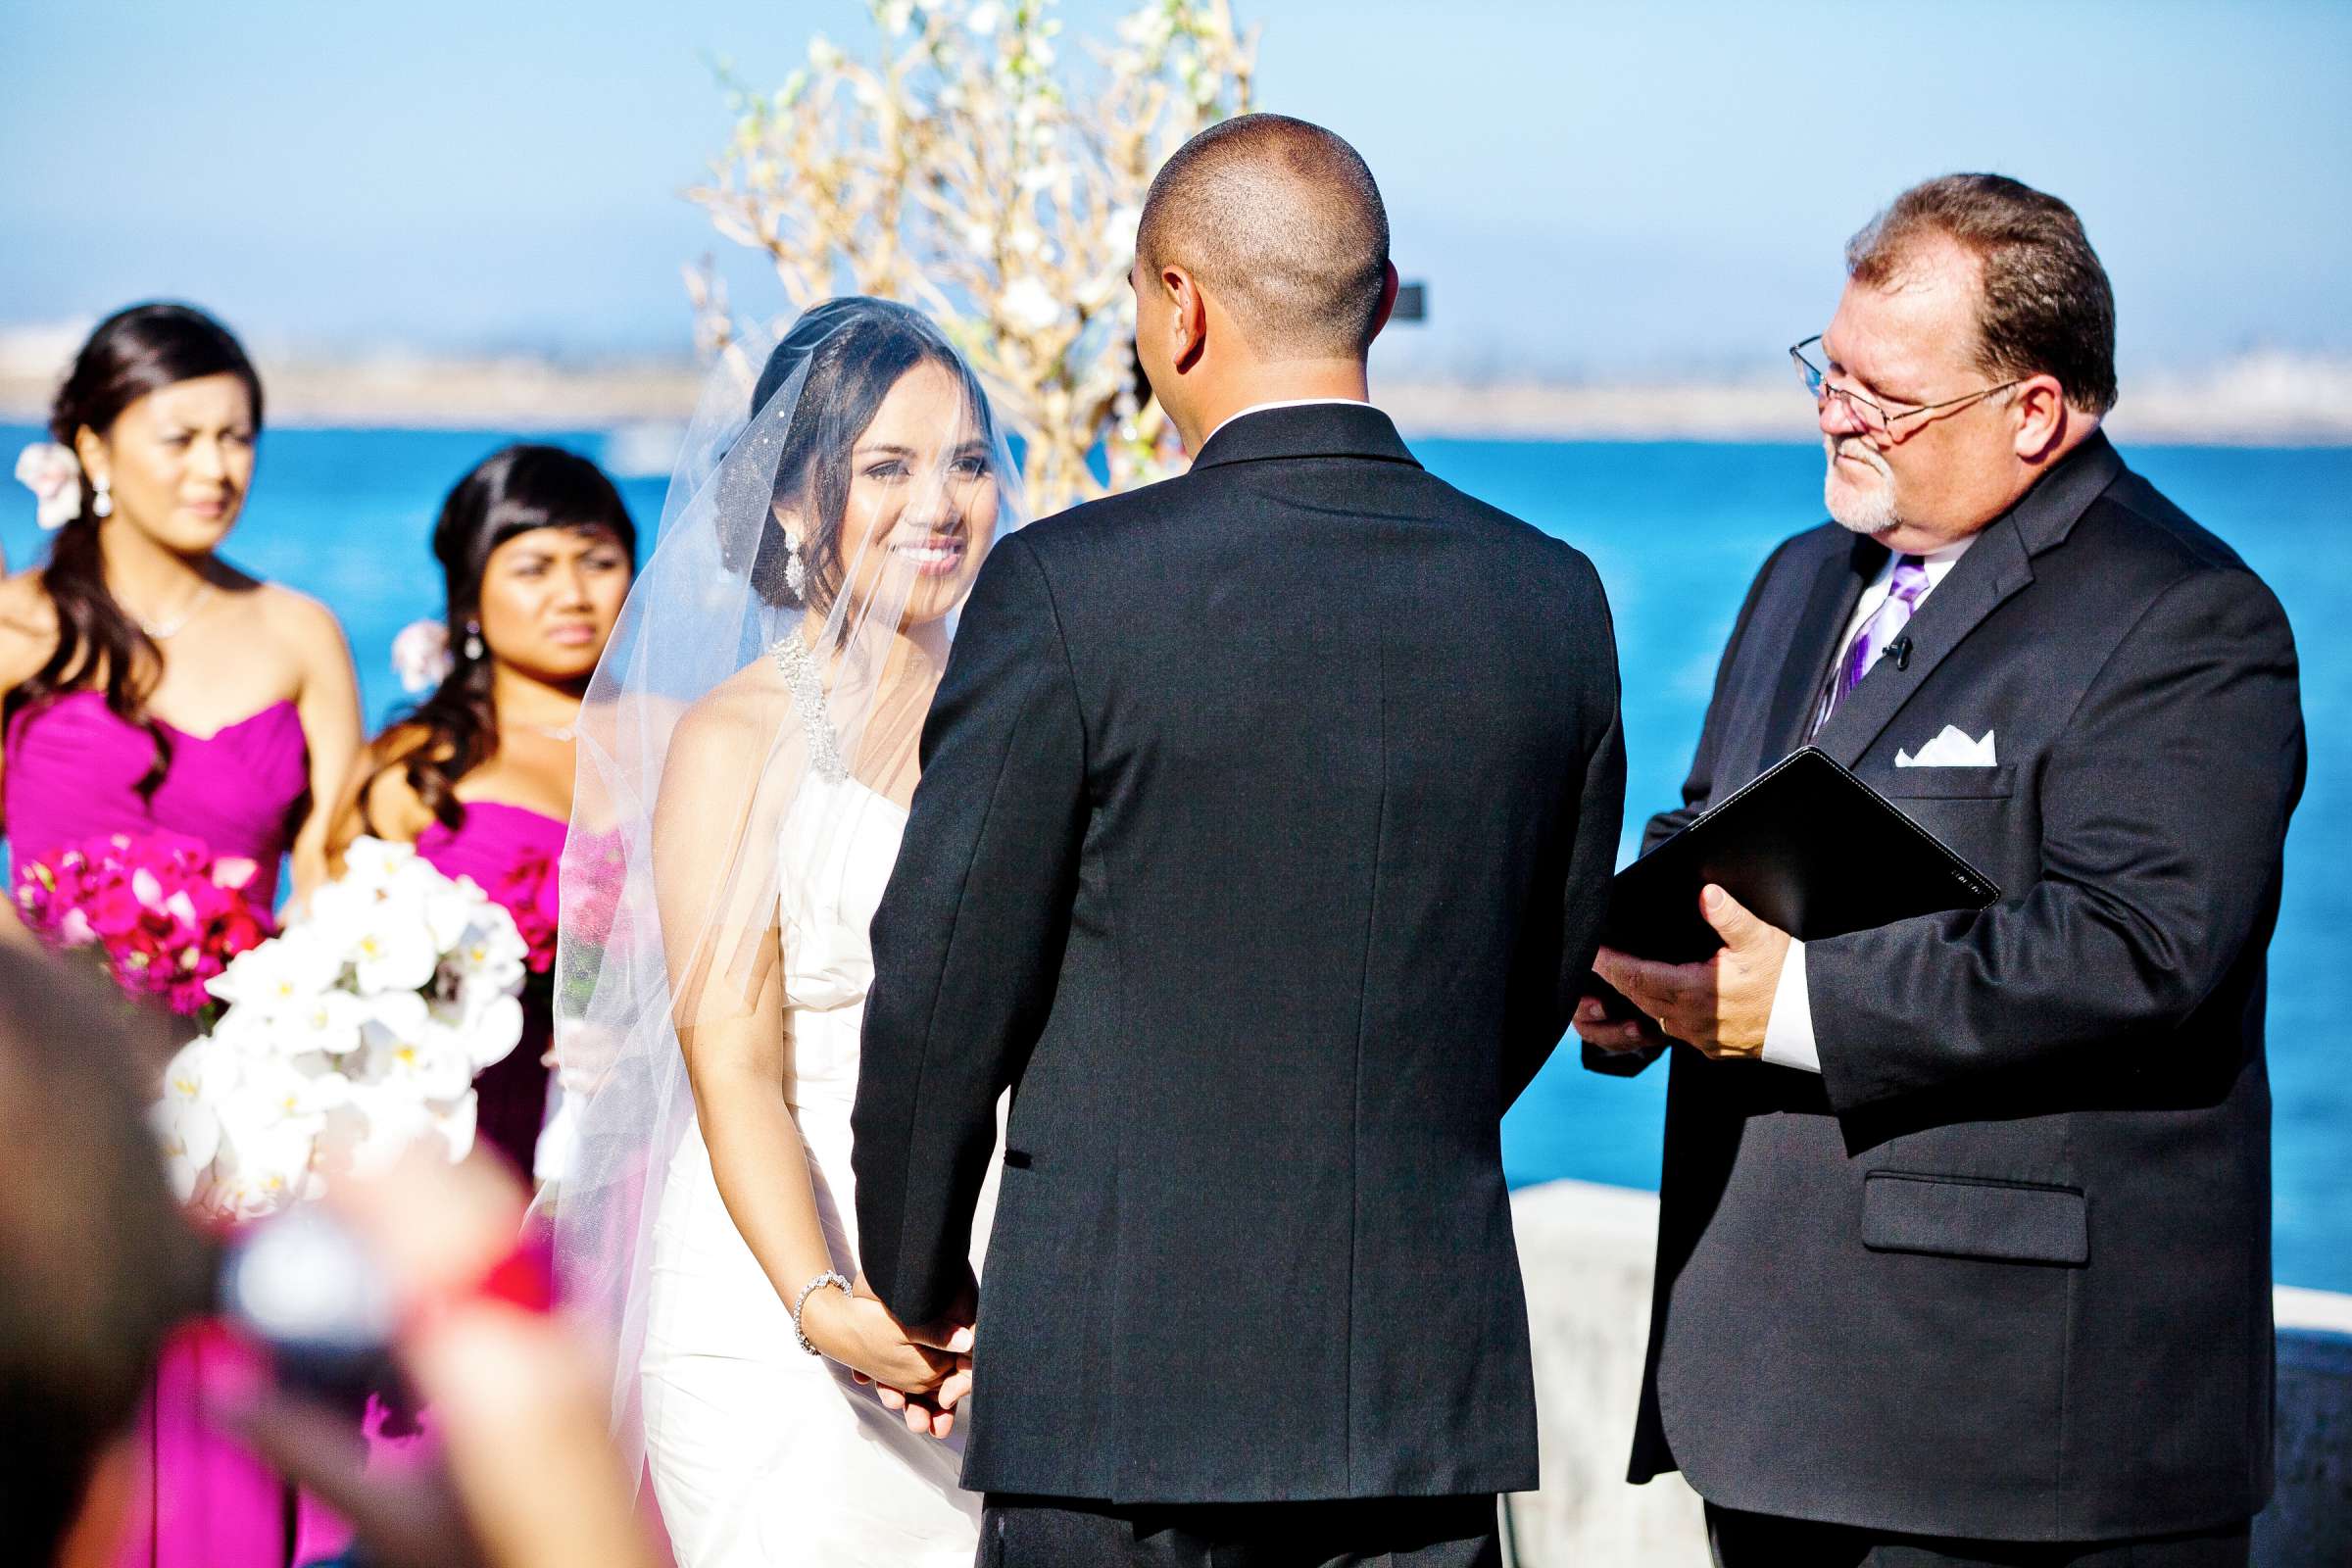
[[420, 655], [54, 476]]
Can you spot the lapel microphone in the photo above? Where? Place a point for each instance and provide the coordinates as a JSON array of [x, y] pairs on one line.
[[1899, 651]]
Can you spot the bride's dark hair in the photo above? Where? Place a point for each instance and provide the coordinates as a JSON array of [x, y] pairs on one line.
[[853, 351], [511, 492], [131, 354]]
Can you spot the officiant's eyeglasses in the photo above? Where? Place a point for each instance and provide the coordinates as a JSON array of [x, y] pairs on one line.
[[1875, 417]]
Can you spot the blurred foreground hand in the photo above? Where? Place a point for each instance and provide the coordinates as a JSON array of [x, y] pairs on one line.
[[525, 1477]]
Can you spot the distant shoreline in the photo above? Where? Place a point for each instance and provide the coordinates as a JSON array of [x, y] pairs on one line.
[[2261, 400]]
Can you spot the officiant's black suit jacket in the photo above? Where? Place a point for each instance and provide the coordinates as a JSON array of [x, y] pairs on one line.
[[1265, 827], [2002, 1269]]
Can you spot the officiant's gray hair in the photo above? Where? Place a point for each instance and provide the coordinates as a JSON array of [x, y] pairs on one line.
[[1281, 221]]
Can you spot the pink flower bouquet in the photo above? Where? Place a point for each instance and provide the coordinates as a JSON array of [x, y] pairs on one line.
[[158, 909], [530, 892]]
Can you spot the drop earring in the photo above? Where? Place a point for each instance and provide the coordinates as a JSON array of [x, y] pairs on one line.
[[474, 641], [795, 575], [102, 504]]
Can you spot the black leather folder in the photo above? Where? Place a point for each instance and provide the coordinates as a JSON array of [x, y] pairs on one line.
[[1805, 845]]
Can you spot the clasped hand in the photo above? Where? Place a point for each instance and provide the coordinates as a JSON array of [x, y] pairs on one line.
[[925, 1372], [1721, 1006]]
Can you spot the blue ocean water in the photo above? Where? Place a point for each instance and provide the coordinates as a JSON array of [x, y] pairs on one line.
[[1677, 530]]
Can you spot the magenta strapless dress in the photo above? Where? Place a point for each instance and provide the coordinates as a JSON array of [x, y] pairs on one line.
[[512, 853], [72, 770]]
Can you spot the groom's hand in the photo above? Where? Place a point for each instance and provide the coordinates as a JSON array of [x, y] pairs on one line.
[[955, 1322], [953, 1330], [932, 1413]]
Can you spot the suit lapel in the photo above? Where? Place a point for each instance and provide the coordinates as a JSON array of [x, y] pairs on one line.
[[1994, 567], [1997, 565], [1836, 587]]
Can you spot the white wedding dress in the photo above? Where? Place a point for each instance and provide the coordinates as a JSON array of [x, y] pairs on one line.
[[761, 1455]]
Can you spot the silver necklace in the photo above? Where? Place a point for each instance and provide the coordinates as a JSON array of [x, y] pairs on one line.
[[160, 631], [554, 732], [808, 689]]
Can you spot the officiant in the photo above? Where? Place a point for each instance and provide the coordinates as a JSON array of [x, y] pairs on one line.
[[1965, 1237]]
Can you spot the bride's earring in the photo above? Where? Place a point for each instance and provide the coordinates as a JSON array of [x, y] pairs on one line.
[[474, 641], [796, 574], [102, 505]]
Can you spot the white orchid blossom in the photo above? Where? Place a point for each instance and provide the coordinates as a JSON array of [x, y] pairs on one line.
[[184, 1119], [430, 1062], [394, 951], [326, 1023], [279, 976], [488, 953], [492, 1030], [1029, 306], [53, 473], [420, 655]]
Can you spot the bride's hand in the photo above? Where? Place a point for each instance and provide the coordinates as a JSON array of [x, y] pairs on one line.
[[859, 1333]]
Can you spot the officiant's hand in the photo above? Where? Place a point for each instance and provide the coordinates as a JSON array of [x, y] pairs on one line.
[[1722, 1006]]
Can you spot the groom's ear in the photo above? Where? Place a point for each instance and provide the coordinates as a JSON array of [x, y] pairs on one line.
[[1388, 298], [1188, 317]]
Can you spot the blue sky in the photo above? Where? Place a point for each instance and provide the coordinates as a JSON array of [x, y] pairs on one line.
[[1589, 189]]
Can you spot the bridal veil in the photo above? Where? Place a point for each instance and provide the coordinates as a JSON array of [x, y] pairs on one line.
[[765, 650]]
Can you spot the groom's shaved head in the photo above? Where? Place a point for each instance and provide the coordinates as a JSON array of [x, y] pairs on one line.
[[1279, 219]]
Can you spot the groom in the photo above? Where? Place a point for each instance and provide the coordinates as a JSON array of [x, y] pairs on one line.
[[1263, 836]]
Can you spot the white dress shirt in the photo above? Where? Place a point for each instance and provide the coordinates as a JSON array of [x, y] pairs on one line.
[[1789, 1032], [1285, 403]]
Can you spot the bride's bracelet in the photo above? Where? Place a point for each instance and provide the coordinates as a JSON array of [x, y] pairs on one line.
[[828, 1277]]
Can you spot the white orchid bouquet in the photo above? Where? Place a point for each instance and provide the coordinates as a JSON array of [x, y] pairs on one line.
[[349, 1036]]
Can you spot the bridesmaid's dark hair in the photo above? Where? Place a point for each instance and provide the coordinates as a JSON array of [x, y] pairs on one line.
[[511, 492], [855, 349], [132, 353]]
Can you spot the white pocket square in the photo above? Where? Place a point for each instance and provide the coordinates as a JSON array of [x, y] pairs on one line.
[[1951, 748]]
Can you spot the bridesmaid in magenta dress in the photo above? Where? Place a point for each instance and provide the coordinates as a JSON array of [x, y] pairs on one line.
[[150, 686], [536, 553]]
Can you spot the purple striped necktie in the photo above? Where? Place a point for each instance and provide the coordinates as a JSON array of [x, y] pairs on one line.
[[1878, 634]]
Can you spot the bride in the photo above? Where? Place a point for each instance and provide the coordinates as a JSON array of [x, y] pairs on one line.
[[748, 750]]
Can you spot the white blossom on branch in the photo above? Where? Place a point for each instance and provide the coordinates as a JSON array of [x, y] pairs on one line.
[[979, 168]]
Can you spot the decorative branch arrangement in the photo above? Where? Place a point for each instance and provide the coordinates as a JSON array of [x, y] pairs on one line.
[[964, 171]]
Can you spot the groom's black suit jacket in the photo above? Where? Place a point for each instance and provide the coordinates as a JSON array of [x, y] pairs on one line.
[[2002, 1269], [1264, 825]]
